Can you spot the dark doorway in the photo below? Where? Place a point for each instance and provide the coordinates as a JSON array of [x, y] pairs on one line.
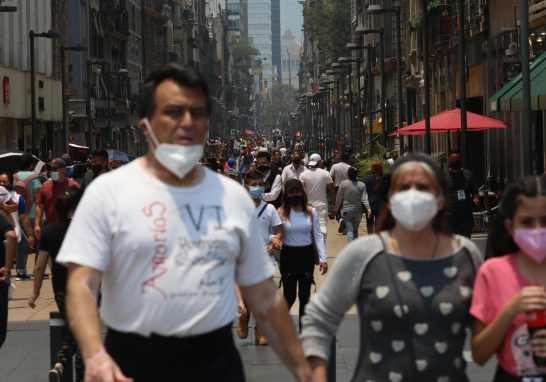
[[475, 155]]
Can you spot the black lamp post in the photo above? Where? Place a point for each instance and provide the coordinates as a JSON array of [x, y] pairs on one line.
[[89, 63], [337, 68], [77, 48], [377, 10], [362, 30], [345, 61], [53, 33], [353, 46]]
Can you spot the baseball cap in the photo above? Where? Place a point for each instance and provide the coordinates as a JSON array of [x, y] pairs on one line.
[[292, 183], [57, 163], [230, 162], [315, 158]]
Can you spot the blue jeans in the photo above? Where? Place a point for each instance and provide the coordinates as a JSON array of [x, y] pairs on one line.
[[352, 218], [461, 225]]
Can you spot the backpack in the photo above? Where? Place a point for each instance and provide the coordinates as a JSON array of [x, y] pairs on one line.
[[22, 188]]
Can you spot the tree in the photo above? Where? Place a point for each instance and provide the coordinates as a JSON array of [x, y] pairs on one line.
[[282, 100], [330, 23], [242, 57]]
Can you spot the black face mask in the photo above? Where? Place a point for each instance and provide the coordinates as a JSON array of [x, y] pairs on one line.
[[296, 160], [96, 168], [455, 165], [263, 168], [6, 186], [295, 200]]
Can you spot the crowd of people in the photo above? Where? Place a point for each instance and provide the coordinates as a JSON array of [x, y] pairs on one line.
[[201, 225]]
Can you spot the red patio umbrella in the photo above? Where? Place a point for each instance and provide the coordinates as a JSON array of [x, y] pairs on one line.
[[450, 120], [298, 134]]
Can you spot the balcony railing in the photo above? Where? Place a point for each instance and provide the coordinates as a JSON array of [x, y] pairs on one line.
[[118, 17]]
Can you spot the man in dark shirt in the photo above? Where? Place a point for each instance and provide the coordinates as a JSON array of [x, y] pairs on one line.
[[6, 263], [461, 185], [276, 161]]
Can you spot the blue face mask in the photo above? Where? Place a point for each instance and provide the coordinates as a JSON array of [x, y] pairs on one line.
[[54, 175], [256, 192]]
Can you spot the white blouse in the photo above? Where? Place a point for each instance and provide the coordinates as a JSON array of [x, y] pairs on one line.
[[297, 232]]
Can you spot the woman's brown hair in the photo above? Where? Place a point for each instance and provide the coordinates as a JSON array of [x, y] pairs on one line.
[[385, 220], [286, 207], [377, 169]]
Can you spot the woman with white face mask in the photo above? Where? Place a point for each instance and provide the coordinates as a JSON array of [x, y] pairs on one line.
[[411, 282]]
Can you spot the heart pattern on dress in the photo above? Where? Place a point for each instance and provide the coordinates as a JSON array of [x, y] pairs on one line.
[[382, 291], [377, 325], [420, 328], [443, 379], [375, 357], [421, 364], [450, 272], [405, 276], [464, 291], [446, 308], [398, 346], [456, 327], [398, 310], [441, 347], [427, 291], [395, 377], [457, 362]]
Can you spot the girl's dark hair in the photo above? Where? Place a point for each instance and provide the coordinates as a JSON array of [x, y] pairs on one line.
[[286, 207], [352, 172], [9, 175], [499, 240], [377, 170], [213, 163], [67, 202]]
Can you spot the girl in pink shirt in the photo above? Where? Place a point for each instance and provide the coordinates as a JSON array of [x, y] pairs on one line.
[[502, 291]]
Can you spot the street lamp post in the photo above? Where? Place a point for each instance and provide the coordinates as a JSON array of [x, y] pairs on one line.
[[53, 33], [345, 61], [353, 46], [337, 65], [376, 10], [89, 63], [380, 31], [77, 48]]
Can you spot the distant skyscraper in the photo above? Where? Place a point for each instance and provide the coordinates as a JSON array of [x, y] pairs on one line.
[[276, 36], [290, 47], [259, 33], [238, 19]]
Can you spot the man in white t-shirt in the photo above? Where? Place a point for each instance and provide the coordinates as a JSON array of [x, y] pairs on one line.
[[169, 250], [315, 183], [270, 227]]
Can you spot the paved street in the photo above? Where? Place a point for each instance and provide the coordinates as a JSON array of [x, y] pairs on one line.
[[25, 355]]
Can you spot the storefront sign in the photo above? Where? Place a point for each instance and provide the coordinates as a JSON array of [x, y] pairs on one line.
[[509, 71], [6, 91]]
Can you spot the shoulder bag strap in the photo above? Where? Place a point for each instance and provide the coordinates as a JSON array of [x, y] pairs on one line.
[[262, 211], [404, 315]]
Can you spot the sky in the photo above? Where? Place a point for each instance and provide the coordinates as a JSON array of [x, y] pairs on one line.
[[292, 18]]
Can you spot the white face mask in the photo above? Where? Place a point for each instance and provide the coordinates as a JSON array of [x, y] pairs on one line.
[[414, 209], [178, 159]]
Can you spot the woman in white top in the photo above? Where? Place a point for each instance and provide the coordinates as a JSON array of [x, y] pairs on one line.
[[301, 235]]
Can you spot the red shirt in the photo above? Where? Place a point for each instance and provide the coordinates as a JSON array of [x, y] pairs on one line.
[[49, 192]]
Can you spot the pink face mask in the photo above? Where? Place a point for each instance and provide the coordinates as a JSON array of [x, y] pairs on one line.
[[532, 242]]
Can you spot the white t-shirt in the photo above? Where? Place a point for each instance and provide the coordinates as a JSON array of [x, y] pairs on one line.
[[283, 151], [170, 256], [316, 180], [338, 172], [297, 232], [268, 219]]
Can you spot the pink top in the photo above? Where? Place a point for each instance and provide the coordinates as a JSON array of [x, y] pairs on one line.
[[499, 280]]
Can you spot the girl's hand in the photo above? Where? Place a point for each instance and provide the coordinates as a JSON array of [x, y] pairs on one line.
[[529, 298], [32, 299], [538, 343], [242, 311], [269, 249]]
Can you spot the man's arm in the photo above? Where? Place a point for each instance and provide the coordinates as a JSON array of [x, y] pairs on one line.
[[339, 197], [275, 190], [39, 270], [38, 220], [474, 189], [11, 248], [81, 309], [28, 227], [271, 313]]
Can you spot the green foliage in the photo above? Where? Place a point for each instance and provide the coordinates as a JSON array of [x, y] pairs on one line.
[[242, 58], [415, 23], [282, 99], [363, 164], [329, 21]]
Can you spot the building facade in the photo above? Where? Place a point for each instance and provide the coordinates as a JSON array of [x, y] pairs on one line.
[[290, 49]]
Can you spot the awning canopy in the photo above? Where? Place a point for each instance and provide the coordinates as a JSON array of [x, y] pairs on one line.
[[510, 97]]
